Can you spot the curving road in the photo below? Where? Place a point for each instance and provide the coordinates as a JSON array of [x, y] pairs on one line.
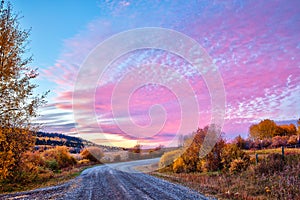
[[112, 181]]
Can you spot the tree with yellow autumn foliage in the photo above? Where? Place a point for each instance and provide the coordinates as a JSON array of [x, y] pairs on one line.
[[265, 129], [18, 104]]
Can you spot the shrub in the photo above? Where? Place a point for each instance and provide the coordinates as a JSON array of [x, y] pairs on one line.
[[190, 160], [61, 155], [77, 156], [84, 161], [46, 174], [35, 158], [136, 149], [117, 158], [168, 158], [52, 164], [256, 144], [232, 153], [201, 166], [279, 141], [192, 146], [179, 165], [93, 154], [266, 143], [271, 164], [240, 142], [29, 169], [14, 143], [213, 160], [293, 140], [238, 165]]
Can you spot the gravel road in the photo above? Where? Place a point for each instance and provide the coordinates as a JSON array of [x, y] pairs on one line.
[[112, 181]]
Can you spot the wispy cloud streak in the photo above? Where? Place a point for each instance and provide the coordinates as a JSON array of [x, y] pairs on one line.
[[255, 44]]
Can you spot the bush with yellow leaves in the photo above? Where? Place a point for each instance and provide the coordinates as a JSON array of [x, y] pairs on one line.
[[58, 157], [92, 153], [168, 158]]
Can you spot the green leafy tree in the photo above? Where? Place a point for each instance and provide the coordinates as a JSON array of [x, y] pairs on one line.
[[18, 105]]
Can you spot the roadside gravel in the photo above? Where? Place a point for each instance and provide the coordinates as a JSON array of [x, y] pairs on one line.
[[110, 182]]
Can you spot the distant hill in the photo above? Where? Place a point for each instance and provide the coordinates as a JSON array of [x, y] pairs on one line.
[[56, 139], [76, 143]]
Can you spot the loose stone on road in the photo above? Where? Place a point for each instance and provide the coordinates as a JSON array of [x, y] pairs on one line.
[[112, 182]]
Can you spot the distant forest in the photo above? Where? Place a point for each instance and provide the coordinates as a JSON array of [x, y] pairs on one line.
[[57, 139], [76, 144]]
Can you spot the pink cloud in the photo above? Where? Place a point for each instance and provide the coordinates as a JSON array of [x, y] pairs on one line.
[[254, 44]]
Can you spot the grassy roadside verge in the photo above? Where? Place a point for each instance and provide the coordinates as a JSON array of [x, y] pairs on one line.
[[59, 177], [202, 183], [267, 180]]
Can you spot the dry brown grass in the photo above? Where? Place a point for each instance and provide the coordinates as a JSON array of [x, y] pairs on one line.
[[277, 150], [40, 169], [46, 179], [250, 184]]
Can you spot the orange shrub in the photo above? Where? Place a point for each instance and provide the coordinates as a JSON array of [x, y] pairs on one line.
[[93, 154], [179, 165], [30, 166], [293, 140], [168, 158], [59, 154], [234, 159], [83, 161], [238, 165], [35, 158], [14, 142]]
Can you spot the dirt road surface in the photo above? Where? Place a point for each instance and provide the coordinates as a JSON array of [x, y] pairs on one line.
[[118, 181]]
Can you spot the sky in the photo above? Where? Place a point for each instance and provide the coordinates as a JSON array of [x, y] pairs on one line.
[[255, 46]]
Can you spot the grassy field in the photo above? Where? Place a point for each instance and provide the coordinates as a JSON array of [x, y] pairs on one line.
[[271, 179]]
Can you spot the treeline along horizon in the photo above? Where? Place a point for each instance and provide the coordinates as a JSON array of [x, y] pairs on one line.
[[57, 139]]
